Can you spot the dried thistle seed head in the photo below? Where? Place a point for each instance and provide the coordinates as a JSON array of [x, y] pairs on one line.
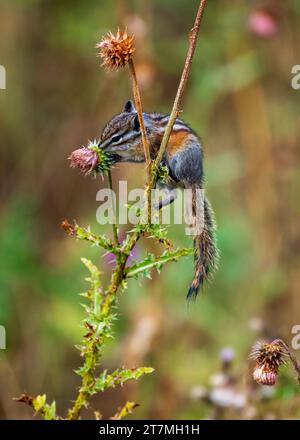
[[24, 398], [85, 159], [263, 376], [68, 227], [269, 357], [116, 50], [272, 354]]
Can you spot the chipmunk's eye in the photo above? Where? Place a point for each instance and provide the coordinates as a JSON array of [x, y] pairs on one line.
[[116, 138]]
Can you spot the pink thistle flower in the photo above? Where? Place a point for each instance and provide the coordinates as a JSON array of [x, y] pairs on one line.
[[85, 159]]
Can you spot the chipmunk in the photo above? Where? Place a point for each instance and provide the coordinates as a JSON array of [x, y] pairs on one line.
[[121, 138]]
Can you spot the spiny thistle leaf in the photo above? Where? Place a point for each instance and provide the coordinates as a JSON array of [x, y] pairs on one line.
[[120, 377], [105, 161], [39, 402], [163, 174], [153, 262], [40, 405], [95, 279], [85, 234], [125, 411]]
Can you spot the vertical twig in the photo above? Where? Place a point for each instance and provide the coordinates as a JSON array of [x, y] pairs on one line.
[[146, 145], [181, 88], [114, 226], [139, 108]]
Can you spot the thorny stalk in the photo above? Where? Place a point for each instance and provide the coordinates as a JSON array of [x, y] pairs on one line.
[[100, 316], [114, 226]]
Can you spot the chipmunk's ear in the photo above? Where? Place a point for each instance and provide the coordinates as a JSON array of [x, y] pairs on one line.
[[136, 123], [129, 107]]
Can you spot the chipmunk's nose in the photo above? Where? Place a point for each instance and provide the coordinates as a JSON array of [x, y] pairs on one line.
[[103, 144]]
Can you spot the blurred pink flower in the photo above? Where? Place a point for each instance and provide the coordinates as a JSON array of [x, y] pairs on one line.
[[262, 23], [227, 355]]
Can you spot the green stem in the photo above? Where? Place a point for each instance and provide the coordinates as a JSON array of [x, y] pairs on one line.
[[83, 395], [119, 273], [157, 262], [114, 226]]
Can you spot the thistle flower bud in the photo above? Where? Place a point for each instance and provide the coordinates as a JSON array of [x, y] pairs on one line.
[[85, 159], [91, 159], [116, 50]]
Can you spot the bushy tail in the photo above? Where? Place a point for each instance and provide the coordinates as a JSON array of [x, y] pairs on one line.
[[206, 251]]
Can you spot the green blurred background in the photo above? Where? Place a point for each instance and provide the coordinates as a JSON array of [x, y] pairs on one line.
[[241, 102]]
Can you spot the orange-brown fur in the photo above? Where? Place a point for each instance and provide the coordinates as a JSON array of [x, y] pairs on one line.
[[177, 142]]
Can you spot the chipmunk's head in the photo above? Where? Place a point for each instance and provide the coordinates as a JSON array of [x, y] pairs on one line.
[[121, 137]]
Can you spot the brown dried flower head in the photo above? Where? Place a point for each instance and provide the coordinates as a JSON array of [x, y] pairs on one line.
[[116, 50], [264, 377], [68, 227], [85, 159], [24, 398], [269, 358]]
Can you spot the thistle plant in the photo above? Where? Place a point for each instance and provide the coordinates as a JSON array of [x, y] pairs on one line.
[[269, 357], [101, 301]]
